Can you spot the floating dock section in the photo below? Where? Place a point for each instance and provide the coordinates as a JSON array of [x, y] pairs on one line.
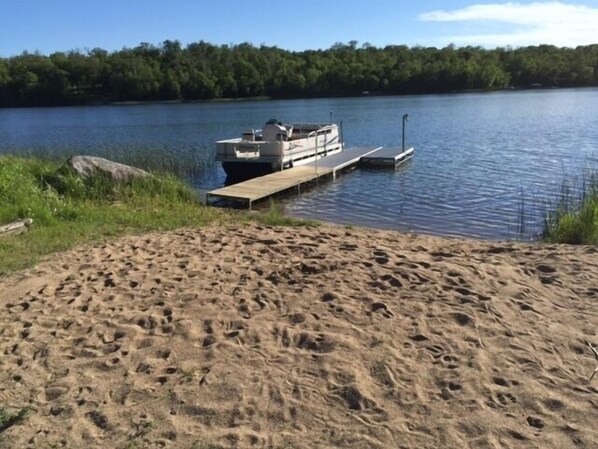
[[257, 189], [389, 157], [345, 159]]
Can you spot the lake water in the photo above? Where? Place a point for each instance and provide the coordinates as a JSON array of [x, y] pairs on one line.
[[485, 164]]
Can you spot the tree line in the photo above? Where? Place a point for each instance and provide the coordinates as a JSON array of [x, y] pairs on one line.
[[203, 71]]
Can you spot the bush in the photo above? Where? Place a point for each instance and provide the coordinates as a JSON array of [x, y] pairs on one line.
[[575, 220], [24, 192], [67, 210]]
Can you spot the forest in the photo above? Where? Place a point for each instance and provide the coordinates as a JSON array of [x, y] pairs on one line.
[[203, 71]]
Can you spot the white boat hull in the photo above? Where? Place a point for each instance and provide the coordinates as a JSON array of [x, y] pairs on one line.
[[251, 155]]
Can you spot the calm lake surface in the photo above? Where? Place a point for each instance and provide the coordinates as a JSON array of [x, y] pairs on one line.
[[485, 165]]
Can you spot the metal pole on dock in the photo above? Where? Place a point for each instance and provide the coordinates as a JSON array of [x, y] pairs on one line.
[[405, 116], [316, 156]]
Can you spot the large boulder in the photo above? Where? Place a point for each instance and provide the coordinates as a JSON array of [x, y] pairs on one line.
[[89, 166]]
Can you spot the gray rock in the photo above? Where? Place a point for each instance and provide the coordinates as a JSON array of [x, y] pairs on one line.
[[89, 166], [17, 227]]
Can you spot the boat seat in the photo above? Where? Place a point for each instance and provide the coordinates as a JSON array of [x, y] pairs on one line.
[[274, 133], [289, 129]]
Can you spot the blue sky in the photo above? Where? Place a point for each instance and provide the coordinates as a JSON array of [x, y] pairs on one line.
[[61, 25]]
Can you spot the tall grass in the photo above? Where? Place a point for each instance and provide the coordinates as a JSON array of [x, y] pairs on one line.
[[67, 210], [574, 217]]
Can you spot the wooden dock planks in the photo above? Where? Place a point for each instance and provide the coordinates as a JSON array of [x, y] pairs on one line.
[[264, 186], [344, 159]]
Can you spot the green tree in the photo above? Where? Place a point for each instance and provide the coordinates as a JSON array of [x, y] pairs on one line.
[[203, 71]]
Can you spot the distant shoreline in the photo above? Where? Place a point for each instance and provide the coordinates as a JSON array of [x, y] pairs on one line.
[[266, 98], [214, 100], [206, 72], [372, 94]]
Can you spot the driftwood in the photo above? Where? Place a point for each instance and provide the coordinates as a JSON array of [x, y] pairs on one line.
[[17, 227]]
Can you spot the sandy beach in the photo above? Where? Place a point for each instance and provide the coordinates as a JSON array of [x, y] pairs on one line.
[[318, 337]]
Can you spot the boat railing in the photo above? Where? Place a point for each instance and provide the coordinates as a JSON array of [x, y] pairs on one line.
[[315, 134]]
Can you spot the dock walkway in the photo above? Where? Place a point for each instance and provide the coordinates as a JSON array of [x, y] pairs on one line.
[[344, 159], [264, 186], [293, 178]]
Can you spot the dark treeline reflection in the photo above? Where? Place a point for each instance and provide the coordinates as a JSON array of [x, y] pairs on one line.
[[202, 71]]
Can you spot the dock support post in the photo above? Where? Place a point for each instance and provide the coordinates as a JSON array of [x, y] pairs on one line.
[[405, 116]]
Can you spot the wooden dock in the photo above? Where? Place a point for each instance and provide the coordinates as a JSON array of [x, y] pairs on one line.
[[263, 187], [344, 159], [390, 157]]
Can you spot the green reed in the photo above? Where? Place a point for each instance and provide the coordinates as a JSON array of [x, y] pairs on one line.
[[573, 218]]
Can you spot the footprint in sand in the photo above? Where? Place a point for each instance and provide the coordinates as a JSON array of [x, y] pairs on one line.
[[501, 400], [546, 269], [320, 343], [501, 382], [163, 353], [535, 422], [328, 297], [109, 282], [382, 308], [419, 338], [297, 318], [382, 374], [442, 357], [392, 280], [99, 419], [235, 330], [166, 376], [463, 319], [143, 368], [209, 341], [449, 388], [381, 257]]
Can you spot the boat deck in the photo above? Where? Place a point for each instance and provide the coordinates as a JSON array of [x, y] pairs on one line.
[[263, 187]]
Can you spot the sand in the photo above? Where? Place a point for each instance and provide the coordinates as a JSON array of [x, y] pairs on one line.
[[253, 336]]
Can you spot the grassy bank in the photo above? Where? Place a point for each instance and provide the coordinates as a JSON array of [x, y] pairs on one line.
[[68, 211], [574, 219]]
